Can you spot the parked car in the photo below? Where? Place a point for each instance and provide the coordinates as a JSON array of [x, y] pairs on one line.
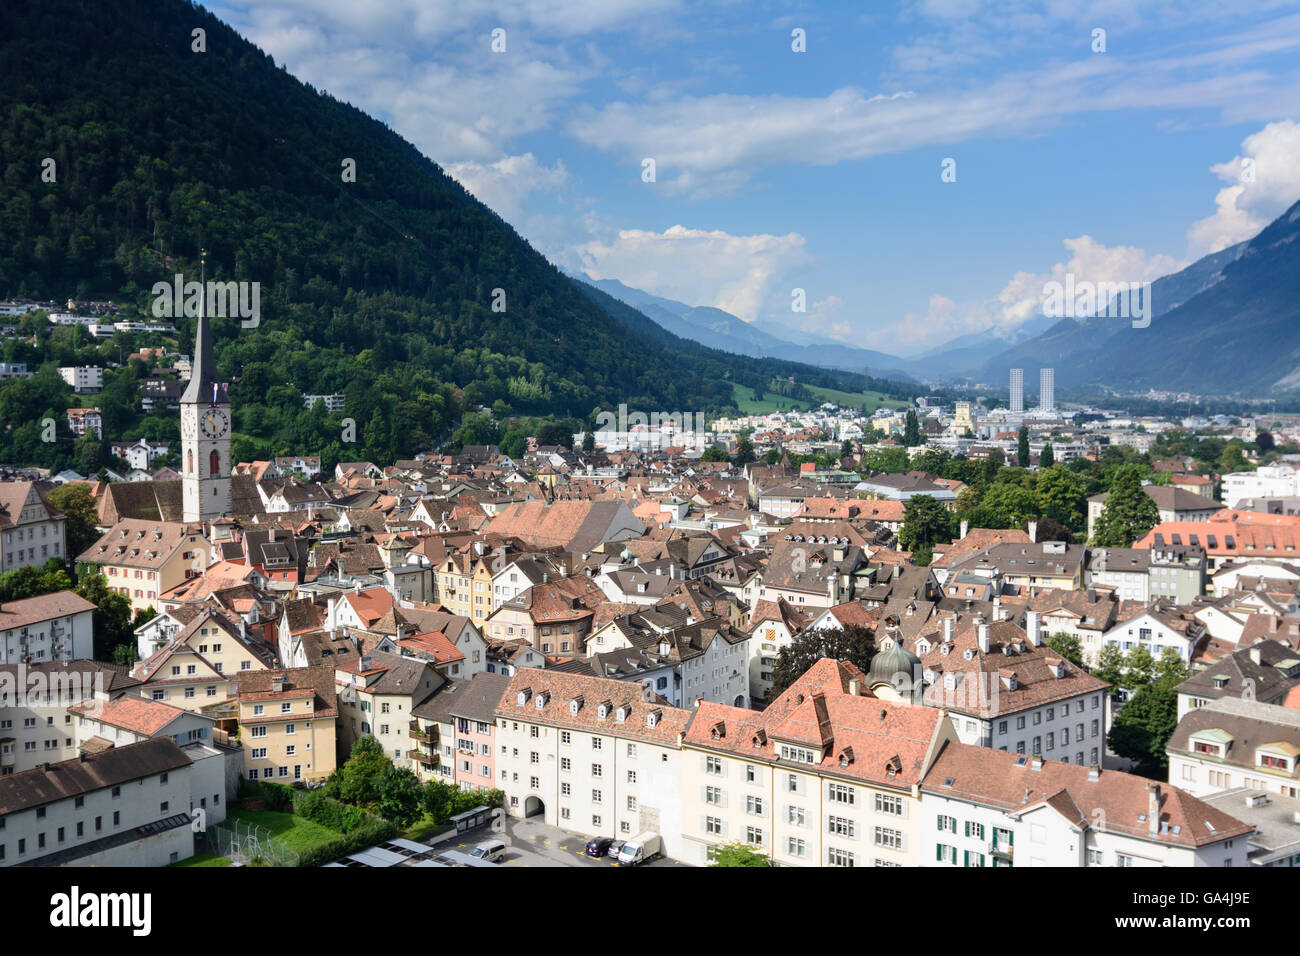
[[598, 846], [490, 851], [614, 849]]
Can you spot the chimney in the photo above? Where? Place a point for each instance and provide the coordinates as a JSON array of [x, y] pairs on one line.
[[1033, 531], [982, 635], [854, 687], [1031, 627], [997, 607], [1038, 762], [1094, 773], [364, 664], [277, 683], [1153, 809], [1254, 655], [949, 626]]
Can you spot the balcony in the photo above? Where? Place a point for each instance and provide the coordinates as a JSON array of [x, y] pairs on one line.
[[426, 736], [1001, 852], [419, 756]]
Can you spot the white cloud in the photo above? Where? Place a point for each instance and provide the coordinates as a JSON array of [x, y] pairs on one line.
[[716, 142], [504, 185], [743, 275], [1272, 157], [1021, 298]]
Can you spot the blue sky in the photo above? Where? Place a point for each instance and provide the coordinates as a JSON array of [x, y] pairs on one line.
[[821, 170]]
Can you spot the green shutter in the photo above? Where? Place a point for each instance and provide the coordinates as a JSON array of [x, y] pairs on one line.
[[938, 849]]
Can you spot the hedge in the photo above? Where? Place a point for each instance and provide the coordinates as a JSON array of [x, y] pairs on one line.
[[370, 833], [275, 796]]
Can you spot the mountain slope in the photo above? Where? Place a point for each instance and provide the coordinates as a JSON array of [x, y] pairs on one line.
[[719, 329], [1229, 323], [385, 288]]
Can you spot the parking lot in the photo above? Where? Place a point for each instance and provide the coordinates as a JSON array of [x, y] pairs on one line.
[[533, 843]]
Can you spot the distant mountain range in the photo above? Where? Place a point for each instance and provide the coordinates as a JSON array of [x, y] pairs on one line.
[[1228, 324], [719, 329]]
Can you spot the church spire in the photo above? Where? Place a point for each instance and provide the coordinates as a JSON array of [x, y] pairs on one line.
[[203, 386]]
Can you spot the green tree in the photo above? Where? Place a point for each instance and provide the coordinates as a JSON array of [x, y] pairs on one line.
[[1048, 457], [1170, 668], [1110, 665], [74, 501], [911, 430], [33, 581], [125, 654], [358, 781], [744, 452], [1022, 447], [855, 644], [1014, 504], [1128, 514], [715, 453], [589, 441], [738, 854], [1139, 667], [1062, 497], [1142, 729], [925, 523], [398, 793], [111, 620], [1068, 646], [846, 448]]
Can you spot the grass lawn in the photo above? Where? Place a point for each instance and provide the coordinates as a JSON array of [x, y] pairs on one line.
[[204, 859], [744, 397], [425, 829], [872, 400], [294, 832]]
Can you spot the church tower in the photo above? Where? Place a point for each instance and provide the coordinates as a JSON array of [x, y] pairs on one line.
[[205, 432]]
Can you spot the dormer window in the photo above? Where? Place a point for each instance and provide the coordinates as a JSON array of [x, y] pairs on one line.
[[759, 740], [718, 730], [950, 681], [603, 710], [621, 713], [524, 694], [846, 756], [542, 698], [575, 705], [652, 718]]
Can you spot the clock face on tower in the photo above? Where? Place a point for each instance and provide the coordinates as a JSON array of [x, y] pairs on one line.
[[213, 423]]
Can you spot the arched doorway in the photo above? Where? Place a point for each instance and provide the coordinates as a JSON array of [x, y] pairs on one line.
[[533, 807], [740, 701]]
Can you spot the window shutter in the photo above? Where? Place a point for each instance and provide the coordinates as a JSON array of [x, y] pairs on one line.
[[938, 847], [968, 828], [965, 856], [940, 821]]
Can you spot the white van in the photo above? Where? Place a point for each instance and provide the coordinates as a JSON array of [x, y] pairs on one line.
[[641, 849], [491, 851]]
